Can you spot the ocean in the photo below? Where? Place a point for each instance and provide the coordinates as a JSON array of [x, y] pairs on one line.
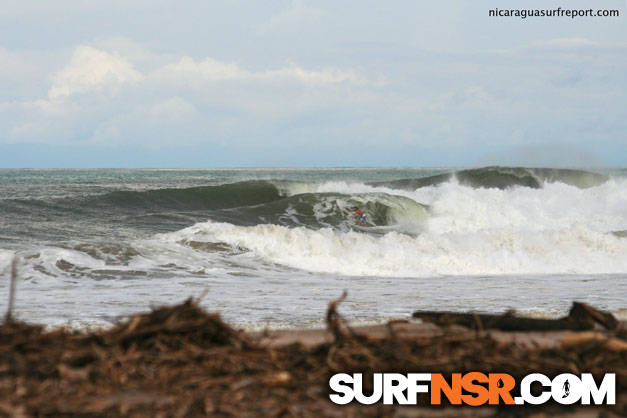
[[272, 247]]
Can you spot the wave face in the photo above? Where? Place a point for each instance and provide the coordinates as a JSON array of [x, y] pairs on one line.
[[246, 193]]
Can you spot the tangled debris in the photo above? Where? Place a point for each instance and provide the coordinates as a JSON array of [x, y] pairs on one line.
[[182, 361]]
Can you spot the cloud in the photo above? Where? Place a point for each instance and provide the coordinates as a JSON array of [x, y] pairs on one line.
[[207, 69], [92, 69], [212, 70], [25, 74], [117, 92], [101, 96], [322, 76]]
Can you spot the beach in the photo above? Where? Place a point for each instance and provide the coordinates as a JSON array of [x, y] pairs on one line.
[[181, 361]]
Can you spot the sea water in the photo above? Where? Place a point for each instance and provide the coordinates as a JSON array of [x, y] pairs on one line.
[[272, 247]]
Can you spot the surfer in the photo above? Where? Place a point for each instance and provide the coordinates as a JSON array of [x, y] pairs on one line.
[[359, 215]]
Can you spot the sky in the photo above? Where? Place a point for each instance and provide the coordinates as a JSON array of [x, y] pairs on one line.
[[234, 83]]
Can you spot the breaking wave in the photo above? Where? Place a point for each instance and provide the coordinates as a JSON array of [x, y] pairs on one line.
[[503, 177], [490, 221], [559, 229]]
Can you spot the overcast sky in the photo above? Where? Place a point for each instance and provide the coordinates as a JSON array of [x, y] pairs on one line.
[[223, 83]]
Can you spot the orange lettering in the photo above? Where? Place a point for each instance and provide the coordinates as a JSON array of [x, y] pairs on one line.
[[439, 385], [480, 391], [500, 386]]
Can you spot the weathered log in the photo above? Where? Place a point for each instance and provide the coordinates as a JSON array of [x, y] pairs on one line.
[[581, 317], [583, 312]]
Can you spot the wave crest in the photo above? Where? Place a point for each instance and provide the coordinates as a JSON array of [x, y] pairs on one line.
[[503, 177]]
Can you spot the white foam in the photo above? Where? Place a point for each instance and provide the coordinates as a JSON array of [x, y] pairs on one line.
[[6, 257], [457, 208], [558, 229], [488, 252]]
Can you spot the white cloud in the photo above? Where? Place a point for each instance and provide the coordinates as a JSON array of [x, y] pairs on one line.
[[207, 69], [116, 92], [321, 73], [92, 69], [322, 76], [101, 96], [212, 70]]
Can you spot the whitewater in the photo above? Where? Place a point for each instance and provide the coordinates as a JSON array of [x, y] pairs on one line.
[[272, 247]]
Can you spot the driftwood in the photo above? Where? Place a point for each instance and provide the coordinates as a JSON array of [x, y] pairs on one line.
[[12, 281], [182, 361], [580, 318]]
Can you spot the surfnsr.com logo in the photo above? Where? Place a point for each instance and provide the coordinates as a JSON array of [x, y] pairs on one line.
[[474, 389]]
